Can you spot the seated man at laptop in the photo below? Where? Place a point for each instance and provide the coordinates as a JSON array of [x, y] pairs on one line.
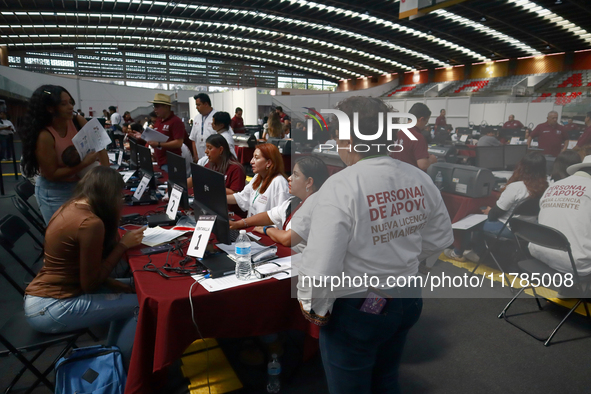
[[490, 139]]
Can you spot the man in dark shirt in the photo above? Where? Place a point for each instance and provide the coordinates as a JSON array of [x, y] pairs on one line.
[[282, 115], [512, 123], [415, 152], [237, 123], [550, 134], [170, 125], [441, 121], [585, 139]]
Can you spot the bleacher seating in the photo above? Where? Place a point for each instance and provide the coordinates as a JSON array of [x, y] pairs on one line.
[[401, 90], [472, 86], [573, 79], [558, 98], [542, 97]]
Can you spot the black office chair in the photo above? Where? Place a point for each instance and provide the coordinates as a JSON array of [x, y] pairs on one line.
[[28, 214], [550, 238], [529, 208], [12, 228], [25, 190], [18, 338]]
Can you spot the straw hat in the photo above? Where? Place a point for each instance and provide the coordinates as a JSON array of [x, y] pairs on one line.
[[576, 167], [161, 98]]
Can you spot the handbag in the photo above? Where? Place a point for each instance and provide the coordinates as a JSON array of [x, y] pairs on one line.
[[94, 369]]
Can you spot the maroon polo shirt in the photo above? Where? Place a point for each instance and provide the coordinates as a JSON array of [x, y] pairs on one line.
[[412, 151], [174, 128], [550, 138], [440, 121], [512, 124], [237, 124], [585, 138]]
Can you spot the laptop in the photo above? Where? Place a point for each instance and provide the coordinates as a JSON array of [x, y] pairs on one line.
[[219, 265]]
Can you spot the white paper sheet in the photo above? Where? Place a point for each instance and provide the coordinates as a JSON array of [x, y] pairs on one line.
[[230, 249], [126, 175], [469, 221], [153, 135], [230, 281], [91, 138], [157, 235]]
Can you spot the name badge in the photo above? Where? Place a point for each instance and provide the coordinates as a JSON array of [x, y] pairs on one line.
[[262, 199]]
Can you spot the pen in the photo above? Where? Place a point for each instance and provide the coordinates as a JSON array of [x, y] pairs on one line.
[[121, 228]]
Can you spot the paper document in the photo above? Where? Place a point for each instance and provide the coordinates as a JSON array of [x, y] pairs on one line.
[[91, 138], [157, 235], [126, 175], [230, 281], [153, 135], [112, 156], [469, 221], [572, 144], [503, 174]]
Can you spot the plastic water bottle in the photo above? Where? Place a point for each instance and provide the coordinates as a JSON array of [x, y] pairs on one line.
[[242, 250], [273, 370], [439, 180]]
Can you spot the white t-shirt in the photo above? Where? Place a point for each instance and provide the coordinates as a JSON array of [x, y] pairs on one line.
[[116, 119], [254, 202], [199, 134], [513, 194], [378, 218], [299, 223], [566, 207], [227, 134], [6, 122]]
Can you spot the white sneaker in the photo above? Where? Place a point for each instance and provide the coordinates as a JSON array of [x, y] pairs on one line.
[[452, 255], [472, 256]]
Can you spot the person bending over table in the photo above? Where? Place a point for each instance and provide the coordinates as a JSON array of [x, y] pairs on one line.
[[47, 133], [82, 246], [528, 181], [309, 173], [268, 188]]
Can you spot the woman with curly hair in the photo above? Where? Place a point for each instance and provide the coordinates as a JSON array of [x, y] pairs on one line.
[[268, 188], [48, 131], [528, 181]]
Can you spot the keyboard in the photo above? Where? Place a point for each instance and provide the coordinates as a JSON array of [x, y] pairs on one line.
[[234, 234]]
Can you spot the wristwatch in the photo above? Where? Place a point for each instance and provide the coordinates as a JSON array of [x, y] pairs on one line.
[[265, 229]]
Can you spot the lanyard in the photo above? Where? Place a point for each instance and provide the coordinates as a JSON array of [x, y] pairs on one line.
[[257, 194], [203, 119], [288, 219]]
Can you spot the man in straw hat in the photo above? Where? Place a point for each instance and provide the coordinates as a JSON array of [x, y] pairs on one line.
[[168, 124], [566, 207]]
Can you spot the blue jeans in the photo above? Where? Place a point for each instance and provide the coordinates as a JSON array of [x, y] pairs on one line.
[[5, 150], [52, 195], [476, 236], [361, 352], [51, 315]]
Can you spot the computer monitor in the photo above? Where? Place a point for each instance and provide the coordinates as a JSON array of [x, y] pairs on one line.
[[463, 131], [133, 161], [209, 189], [490, 157], [574, 135], [145, 162], [512, 155], [177, 175], [507, 134]]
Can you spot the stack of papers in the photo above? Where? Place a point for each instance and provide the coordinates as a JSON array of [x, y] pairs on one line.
[[126, 175], [230, 281], [157, 235]]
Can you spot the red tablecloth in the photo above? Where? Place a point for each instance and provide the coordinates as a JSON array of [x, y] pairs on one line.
[[244, 154], [459, 207], [165, 328]]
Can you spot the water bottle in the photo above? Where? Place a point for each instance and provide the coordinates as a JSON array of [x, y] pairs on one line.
[[439, 180], [242, 250], [273, 370]]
